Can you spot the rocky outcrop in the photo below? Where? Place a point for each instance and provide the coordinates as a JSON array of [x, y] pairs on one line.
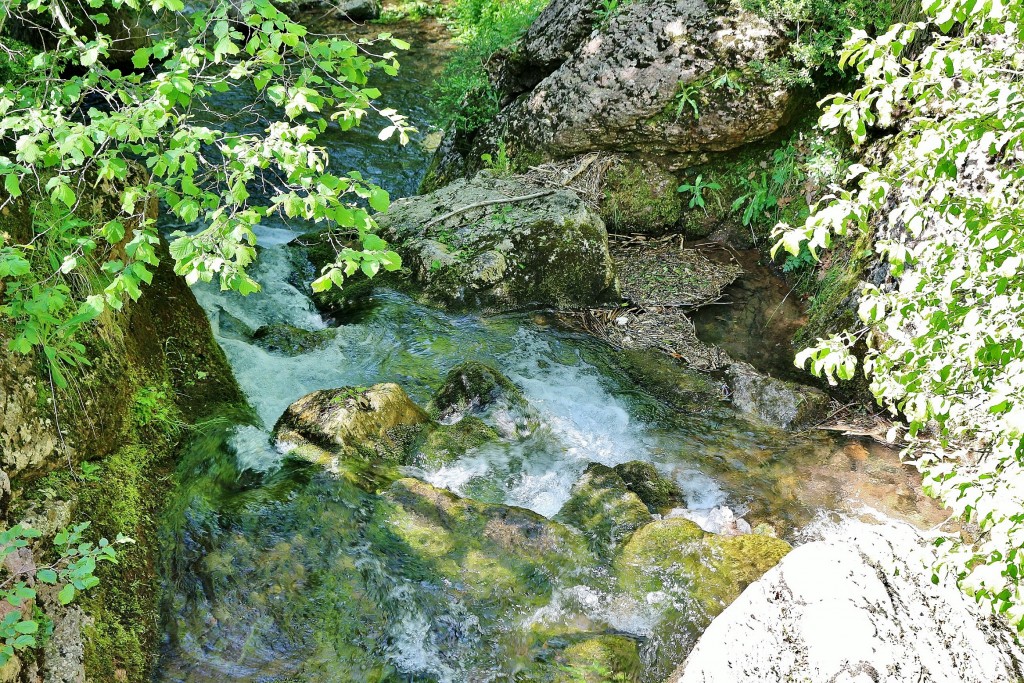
[[783, 404], [502, 243], [603, 508], [330, 427], [161, 340], [664, 81], [858, 607], [621, 89]]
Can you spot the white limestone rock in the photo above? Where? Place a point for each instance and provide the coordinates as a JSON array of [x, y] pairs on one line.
[[857, 607]]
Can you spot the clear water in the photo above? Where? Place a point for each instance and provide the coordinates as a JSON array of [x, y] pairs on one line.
[[277, 573]]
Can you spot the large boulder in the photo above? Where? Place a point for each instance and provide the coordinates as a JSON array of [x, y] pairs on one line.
[[603, 508], [692, 576], [782, 404], [352, 429], [860, 607], [502, 243], [621, 90]]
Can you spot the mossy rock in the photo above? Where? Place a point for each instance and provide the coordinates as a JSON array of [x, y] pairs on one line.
[[360, 433], [693, 575], [473, 386], [640, 197], [290, 340], [656, 491], [443, 444], [488, 554], [601, 659], [603, 508], [546, 248]]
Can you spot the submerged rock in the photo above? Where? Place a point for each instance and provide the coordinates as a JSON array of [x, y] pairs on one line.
[[445, 443], [338, 428], [600, 659], [492, 553], [859, 607], [783, 404], [547, 250], [692, 575], [477, 388], [656, 491], [720, 520], [290, 340], [603, 508]]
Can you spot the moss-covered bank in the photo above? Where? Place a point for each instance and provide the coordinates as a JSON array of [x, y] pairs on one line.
[[156, 373]]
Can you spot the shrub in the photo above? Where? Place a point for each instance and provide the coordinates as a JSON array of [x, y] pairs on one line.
[[943, 346]]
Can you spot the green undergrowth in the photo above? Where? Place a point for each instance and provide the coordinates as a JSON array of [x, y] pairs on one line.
[[764, 183], [482, 27], [410, 10]]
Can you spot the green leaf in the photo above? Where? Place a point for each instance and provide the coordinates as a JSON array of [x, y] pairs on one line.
[[379, 199], [11, 185], [26, 627], [140, 60], [66, 594]]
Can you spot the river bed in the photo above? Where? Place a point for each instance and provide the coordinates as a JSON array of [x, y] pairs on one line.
[[278, 572]]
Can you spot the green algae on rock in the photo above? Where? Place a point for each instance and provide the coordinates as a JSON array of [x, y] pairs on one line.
[[656, 491], [491, 553], [601, 659], [442, 444], [693, 575], [356, 432], [603, 508]]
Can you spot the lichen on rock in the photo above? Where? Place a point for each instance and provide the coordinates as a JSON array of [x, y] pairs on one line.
[[505, 244]]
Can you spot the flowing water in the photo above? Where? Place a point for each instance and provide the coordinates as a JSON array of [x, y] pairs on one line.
[[275, 571]]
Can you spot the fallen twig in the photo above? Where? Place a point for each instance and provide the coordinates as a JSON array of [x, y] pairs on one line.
[[489, 202]]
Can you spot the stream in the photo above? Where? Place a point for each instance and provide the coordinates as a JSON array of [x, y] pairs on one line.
[[276, 571]]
